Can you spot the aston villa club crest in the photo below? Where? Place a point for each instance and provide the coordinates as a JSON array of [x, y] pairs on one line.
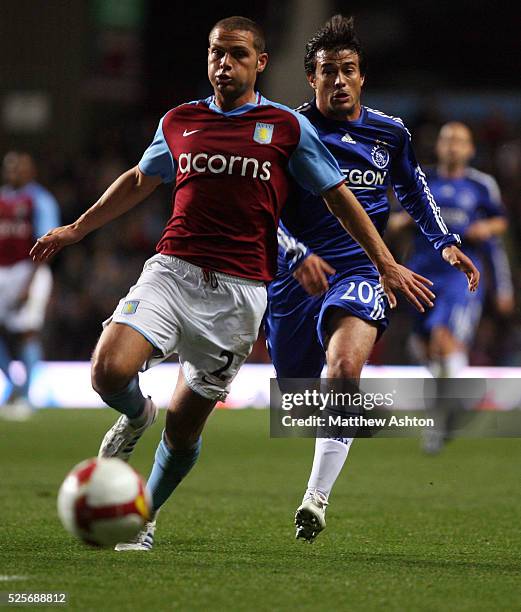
[[263, 133], [380, 156], [130, 307]]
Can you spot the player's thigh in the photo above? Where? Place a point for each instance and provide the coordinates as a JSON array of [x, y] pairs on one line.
[[291, 335], [155, 306], [451, 324], [120, 353], [352, 318], [218, 333], [350, 341]]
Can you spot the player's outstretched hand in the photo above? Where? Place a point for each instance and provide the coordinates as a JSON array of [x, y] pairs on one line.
[[459, 260], [312, 274], [414, 286], [48, 245]]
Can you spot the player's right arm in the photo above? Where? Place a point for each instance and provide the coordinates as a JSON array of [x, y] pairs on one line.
[[132, 187], [127, 191]]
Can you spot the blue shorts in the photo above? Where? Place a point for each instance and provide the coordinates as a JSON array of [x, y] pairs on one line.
[[295, 322], [455, 308]]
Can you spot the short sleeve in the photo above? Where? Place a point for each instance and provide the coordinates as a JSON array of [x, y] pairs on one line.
[[157, 160], [311, 164], [46, 212]]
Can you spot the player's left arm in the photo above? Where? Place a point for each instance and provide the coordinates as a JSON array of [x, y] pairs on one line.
[[411, 189], [393, 276], [309, 269]]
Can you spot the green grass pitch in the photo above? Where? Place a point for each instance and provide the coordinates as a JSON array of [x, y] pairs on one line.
[[405, 532]]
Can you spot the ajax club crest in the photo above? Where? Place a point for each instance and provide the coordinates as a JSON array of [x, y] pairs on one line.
[[263, 133], [380, 156]]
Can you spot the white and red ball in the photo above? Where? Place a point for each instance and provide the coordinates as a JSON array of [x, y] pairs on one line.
[[103, 501]]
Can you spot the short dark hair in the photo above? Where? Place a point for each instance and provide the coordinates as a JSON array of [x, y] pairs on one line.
[[243, 23], [337, 34]]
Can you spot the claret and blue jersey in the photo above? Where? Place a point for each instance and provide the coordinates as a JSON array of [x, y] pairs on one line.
[[233, 172], [26, 214]]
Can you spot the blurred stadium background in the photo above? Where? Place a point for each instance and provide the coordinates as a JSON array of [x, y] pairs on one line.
[[83, 83], [82, 86]]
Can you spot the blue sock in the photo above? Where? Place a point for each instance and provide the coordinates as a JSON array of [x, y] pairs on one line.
[[170, 467], [129, 401], [31, 354], [5, 360]]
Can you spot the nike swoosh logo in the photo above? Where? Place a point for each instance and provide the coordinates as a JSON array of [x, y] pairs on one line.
[[189, 133]]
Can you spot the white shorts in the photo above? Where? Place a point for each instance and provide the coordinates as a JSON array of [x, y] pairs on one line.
[[13, 281], [211, 320]]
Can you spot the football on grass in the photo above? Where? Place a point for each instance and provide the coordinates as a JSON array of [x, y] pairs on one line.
[[103, 502]]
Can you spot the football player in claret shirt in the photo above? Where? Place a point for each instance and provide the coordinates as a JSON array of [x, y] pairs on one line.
[[203, 294], [26, 211], [349, 310]]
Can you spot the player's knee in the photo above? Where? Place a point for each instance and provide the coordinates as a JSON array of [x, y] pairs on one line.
[[443, 342], [343, 366], [109, 372]]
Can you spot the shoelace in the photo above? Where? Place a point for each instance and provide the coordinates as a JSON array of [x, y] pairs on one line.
[[143, 534], [319, 499]]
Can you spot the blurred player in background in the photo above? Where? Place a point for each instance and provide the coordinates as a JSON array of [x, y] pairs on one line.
[[26, 211], [341, 323], [203, 295], [470, 203], [499, 276]]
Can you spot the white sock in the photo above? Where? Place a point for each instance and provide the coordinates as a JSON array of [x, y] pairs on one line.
[[330, 456], [455, 363], [450, 366]]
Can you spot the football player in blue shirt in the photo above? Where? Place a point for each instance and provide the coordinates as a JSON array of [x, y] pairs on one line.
[[500, 276], [347, 312], [470, 203]]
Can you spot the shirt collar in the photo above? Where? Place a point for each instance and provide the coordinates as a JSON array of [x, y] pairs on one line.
[[259, 99]]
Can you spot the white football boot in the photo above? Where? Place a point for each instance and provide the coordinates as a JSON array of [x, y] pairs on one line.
[[17, 410], [122, 437], [143, 541], [310, 517]]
